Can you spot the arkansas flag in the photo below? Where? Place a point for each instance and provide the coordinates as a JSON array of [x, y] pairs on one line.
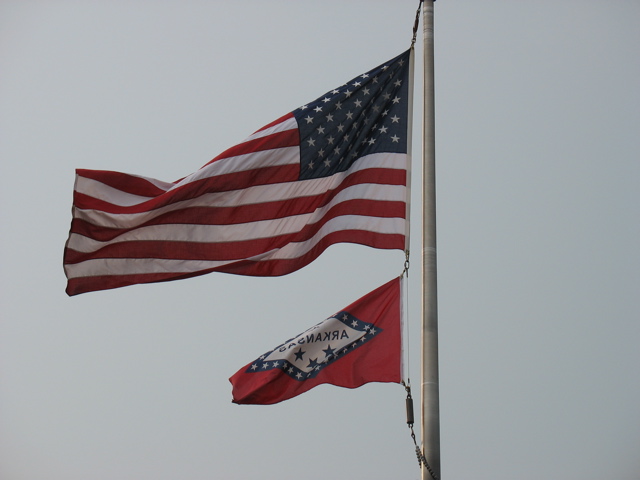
[[331, 171], [358, 345]]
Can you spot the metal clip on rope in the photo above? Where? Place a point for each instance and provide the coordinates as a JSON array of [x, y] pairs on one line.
[[405, 270], [422, 460]]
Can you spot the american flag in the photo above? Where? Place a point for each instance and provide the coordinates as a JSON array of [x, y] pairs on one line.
[[334, 170]]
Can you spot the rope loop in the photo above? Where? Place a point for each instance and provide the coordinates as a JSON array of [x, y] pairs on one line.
[[415, 25]]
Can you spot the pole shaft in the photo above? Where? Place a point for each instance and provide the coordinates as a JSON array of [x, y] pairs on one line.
[[430, 391]]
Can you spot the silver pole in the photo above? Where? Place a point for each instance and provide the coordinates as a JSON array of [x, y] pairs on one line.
[[430, 391]]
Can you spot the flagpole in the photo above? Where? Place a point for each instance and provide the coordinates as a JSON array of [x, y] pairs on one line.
[[430, 389]]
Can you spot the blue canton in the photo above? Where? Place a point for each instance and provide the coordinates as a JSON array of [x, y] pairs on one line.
[[367, 115]]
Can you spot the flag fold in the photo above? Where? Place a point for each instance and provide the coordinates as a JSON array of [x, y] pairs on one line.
[[360, 344], [333, 170]]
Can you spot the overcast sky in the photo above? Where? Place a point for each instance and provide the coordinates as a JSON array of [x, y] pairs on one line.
[[538, 191]]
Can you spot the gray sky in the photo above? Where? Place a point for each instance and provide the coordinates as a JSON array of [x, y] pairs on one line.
[[538, 171]]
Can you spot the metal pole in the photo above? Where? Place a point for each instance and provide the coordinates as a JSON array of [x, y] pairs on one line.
[[430, 391]]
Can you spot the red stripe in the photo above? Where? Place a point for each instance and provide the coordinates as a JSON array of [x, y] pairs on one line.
[[243, 213], [184, 250], [288, 138], [276, 122], [275, 268], [271, 268], [122, 181], [221, 183], [232, 181]]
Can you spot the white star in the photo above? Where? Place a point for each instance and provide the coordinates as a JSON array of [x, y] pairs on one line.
[[334, 91], [365, 91], [329, 118], [376, 108], [347, 93], [338, 105], [298, 375], [326, 99], [383, 129], [386, 96], [395, 139], [254, 366], [375, 80], [365, 75], [356, 84], [309, 119], [340, 128], [372, 141], [330, 139], [396, 99], [358, 103], [397, 83], [311, 142], [401, 62], [384, 114], [321, 152], [372, 331], [385, 68], [304, 107], [327, 163], [395, 119], [311, 165], [320, 129], [336, 151], [318, 109], [350, 115]]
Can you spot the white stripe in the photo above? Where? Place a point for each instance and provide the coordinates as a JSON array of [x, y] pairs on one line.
[[287, 124], [99, 190], [237, 199], [135, 266], [243, 231], [338, 224], [128, 266], [267, 158], [158, 183], [247, 196], [245, 162], [94, 188]]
